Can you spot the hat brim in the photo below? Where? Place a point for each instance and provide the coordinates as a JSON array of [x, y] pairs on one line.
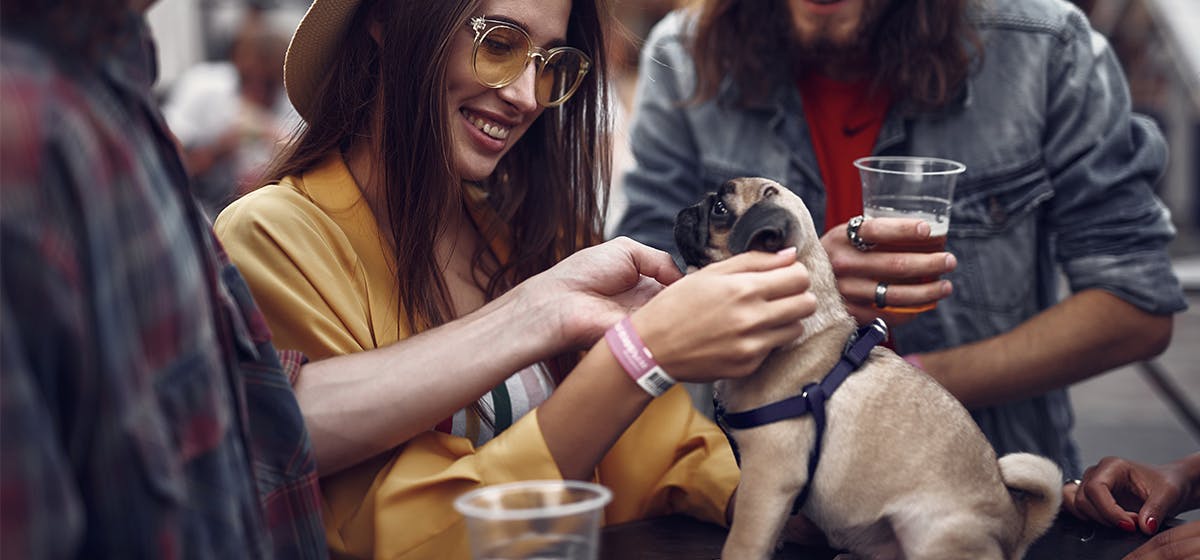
[[312, 47]]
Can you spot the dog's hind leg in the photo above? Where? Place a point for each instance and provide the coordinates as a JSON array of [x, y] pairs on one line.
[[764, 499], [942, 535]]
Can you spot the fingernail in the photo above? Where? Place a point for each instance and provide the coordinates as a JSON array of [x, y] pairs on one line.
[[1152, 524], [1126, 525], [947, 288], [923, 229], [951, 262], [787, 252]]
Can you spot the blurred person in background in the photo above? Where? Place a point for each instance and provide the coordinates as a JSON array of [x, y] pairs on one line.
[[435, 216], [1059, 179], [143, 411], [1138, 497], [231, 117]]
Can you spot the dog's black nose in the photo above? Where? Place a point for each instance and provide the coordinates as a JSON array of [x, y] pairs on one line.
[[764, 227]]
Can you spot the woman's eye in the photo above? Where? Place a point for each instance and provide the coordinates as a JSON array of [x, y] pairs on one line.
[[719, 209], [497, 46]]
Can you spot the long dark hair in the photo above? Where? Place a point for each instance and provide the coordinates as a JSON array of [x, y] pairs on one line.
[[549, 189], [920, 51]]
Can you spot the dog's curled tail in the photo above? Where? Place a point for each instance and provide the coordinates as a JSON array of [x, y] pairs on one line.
[[1036, 485]]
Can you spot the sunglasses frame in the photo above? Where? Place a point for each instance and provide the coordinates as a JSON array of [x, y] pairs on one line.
[[482, 26]]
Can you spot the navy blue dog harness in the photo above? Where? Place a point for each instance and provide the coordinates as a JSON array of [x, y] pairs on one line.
[[811, 400]]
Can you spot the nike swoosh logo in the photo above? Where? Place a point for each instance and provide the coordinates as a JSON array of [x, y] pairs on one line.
[[855, 130]]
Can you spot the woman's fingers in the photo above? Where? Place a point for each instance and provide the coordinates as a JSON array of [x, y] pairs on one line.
[[1103, 507], [1179, 543], [649, 261]]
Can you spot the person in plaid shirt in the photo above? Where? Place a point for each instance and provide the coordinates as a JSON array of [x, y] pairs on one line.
[[143, 410]]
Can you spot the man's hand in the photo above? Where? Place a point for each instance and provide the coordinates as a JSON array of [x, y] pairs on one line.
[[913, 279]]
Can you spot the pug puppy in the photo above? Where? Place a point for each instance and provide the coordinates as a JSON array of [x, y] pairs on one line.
[[903, 470]]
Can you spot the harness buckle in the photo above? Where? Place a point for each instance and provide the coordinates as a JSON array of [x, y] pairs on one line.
[[880, 325]]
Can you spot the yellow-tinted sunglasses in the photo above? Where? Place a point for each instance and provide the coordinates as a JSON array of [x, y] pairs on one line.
[[502, 51]]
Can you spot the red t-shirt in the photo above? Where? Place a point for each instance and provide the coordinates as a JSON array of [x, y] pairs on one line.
[[844, 120]]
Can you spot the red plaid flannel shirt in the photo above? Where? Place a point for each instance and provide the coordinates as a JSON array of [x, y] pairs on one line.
[[143, 410]]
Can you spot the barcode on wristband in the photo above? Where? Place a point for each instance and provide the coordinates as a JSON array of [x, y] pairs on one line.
[[656, 381]]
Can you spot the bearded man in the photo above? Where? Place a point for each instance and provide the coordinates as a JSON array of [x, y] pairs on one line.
[[1059, 180]]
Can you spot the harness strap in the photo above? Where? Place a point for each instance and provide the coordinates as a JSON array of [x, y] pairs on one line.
[[811, 400]]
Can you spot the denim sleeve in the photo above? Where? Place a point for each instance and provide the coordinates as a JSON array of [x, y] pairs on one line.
[[665, 176], [1111, 231]]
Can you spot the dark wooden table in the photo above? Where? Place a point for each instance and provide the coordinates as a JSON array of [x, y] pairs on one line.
[[683, 538]]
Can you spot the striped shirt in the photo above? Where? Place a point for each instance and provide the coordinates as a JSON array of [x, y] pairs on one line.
[[522, 392]]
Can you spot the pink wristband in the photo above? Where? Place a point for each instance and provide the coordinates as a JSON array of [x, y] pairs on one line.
[[627, 347], [915, 360]]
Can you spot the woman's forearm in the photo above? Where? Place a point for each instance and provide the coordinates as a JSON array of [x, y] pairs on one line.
[[359, 405], [585, 416]]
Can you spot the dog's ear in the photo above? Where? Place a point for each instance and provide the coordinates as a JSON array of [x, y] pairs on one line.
[[691, 234], [764, 227]]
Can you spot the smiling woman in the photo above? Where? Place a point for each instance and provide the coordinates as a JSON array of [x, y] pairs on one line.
[[429, 230]]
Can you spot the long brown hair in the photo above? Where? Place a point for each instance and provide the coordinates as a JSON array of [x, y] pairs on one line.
[[549, 189], [920, 51]]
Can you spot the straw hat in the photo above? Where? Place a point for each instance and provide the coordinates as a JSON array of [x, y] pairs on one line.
[[318, 36]]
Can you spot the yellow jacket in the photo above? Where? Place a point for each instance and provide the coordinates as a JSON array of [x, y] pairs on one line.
[[313, 256]]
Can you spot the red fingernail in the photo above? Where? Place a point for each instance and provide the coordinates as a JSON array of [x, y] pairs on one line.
[[1152, 524], [1126, 525]]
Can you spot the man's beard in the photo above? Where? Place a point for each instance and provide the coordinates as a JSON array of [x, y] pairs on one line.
[[823, 49]]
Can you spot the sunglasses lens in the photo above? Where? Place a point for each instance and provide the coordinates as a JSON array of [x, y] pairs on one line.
[[500, 56], [560, 76]]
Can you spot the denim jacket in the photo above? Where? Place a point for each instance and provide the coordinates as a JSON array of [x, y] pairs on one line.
[[1059, 180]]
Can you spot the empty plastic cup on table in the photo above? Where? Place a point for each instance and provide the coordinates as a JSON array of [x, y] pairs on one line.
[[537, 519]]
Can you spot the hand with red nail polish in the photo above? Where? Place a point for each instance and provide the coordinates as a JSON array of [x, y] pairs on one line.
[[1178, 543], [1135, 496]]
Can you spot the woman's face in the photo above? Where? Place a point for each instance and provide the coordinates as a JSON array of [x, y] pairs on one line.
[[485, 123]]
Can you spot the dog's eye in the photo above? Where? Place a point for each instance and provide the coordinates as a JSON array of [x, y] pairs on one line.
[[718, 208], [769, 192]]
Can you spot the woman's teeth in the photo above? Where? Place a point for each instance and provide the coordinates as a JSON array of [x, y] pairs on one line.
[[491, 129]]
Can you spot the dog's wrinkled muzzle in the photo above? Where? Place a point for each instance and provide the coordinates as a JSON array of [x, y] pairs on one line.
[[764, 227]]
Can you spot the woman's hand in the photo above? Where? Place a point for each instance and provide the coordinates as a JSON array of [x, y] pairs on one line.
[[1179, 543], [588, 292], [723, 320], [913, 278], [1127, 494]]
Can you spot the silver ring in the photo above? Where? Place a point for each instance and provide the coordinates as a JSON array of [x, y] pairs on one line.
[[1075, 481], [852, 233], [881, 295]]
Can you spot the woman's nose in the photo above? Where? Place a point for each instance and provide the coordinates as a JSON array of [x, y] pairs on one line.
[[521, 93]]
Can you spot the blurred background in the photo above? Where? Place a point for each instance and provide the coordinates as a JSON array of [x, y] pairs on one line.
[[220, 83]]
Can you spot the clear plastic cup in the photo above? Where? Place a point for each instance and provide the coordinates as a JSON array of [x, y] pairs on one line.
[[910, 187], [542, 519]]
